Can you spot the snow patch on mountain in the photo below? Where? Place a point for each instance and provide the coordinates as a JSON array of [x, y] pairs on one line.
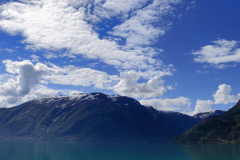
[[62, 101], [113, 98], [205, 115]]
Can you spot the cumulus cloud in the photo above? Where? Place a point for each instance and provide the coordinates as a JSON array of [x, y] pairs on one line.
[[222, 95], [28, 77], [129, 86], [202, 106], [4, 78], [168, 104], [218, 55], [24, 77]]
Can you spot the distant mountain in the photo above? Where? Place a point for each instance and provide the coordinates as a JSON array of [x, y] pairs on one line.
[[91, 117], [209, 114], [221, 129]]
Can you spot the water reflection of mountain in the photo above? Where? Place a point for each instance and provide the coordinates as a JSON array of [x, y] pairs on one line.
[[213, 151], [58, 150]]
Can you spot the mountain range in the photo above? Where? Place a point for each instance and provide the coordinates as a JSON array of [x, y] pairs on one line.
[[220, 129], [92, 117]]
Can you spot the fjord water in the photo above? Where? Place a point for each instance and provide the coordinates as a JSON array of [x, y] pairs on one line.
[[39, 150]]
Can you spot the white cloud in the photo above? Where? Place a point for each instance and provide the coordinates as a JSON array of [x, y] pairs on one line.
[[65, 25], [222, 95], [36, 92], [224, 66], [8, 50], [4, 78], [50, 55], [25, 80], [202, 106], [119, 7], [68, 28], [35, 58], [28, 76], [202, 72], [24, 76], [44, 91], [139, 29], [223, 51], [168, 104], [71, 75], [129, 86]]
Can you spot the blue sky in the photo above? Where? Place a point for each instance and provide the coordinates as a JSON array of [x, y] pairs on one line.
[[175, 55]]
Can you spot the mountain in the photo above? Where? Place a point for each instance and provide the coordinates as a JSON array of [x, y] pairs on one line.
[[209, 114], [220, 129], [91, 117]]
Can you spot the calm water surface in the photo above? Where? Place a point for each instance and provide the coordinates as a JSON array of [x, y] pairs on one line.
[[37, 150]]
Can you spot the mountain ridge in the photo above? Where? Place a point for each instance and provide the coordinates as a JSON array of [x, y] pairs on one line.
[[91, 117]]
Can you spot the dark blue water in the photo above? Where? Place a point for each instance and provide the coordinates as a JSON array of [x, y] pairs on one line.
[[38, 150]]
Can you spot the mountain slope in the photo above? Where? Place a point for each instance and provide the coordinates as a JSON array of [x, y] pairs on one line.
[[221, 129], [91, 117]]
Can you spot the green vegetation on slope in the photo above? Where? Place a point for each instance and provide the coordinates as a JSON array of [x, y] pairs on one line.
[[221, 129]]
